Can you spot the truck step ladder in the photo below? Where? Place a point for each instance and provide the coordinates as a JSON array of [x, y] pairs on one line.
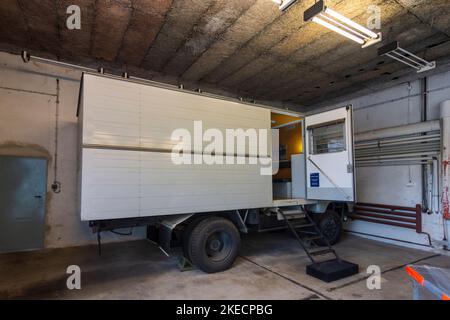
[[328, 270]]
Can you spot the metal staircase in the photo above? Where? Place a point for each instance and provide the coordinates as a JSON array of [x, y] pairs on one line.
[[327, 270]]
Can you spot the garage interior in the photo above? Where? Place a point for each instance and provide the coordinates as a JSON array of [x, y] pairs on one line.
[[251, 52]]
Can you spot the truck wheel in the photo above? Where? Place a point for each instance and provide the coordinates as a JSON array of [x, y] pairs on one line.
[[214, 244], [331, 226], [187, 237]]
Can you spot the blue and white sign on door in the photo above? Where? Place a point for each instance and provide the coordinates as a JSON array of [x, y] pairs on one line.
[[314, 180]]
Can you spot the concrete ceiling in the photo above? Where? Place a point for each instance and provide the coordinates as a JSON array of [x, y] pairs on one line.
[[242, 47]]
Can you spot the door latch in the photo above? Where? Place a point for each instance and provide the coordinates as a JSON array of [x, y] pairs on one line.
[[349, 168]]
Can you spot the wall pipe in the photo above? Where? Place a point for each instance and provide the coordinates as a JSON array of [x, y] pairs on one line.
[[408, 140], [405, 155], [425, 170], [366, 159], [400, 98], [414, 128], [445, 138], [27, 57], [435, 186], [389, 164], [398, 149]]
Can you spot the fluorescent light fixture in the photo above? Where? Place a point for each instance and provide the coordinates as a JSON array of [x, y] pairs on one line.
[[394, 51], [336, 22], [285, 4], [349, 22], [336, 29]]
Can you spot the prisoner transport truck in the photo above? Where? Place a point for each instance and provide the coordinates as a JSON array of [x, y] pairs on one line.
[[128, 177]]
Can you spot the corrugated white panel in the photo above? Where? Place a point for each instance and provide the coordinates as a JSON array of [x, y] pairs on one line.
[[110, 184], [111, 112], [121, 113], [121, 184]]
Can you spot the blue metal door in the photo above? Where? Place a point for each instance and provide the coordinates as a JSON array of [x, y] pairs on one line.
[[23, 184]]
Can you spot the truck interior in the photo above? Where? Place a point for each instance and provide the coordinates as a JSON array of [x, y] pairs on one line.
[[288, 182]]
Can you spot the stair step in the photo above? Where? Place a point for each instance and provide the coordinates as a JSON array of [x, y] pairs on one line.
[[302, 232], [295, 226], [314, 237], [307, 225], [268, 229], [322, 252], [288, 212]]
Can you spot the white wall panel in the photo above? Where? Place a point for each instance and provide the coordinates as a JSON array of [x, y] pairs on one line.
[[120, 184], [110, 184], [121, 113], [111, 112]]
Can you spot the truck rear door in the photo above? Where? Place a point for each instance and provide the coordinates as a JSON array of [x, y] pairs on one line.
[[329, 155]]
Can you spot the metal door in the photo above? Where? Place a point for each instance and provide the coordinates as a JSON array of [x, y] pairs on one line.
[[22, 203], [329, 155]]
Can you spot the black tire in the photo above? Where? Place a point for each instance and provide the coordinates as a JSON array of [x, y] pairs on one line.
[[331, 226], [187, 237], [214, 244]]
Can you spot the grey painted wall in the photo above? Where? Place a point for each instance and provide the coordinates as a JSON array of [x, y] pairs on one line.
[[27, 117]]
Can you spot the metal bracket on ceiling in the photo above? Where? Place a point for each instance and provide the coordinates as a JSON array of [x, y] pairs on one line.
[[393, 50]]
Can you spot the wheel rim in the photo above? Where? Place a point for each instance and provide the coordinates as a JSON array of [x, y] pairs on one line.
[[218, 245]]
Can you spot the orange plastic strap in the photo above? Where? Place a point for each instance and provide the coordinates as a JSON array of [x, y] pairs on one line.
[[415, 275]]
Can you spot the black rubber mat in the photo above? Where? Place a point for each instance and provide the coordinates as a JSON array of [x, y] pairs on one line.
[[332, 270]]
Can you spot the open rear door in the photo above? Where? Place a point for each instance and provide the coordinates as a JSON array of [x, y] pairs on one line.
[[329, 155]]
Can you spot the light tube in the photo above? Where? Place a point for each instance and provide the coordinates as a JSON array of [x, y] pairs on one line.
[[352, 24], [398, 56], [338, 30], [405, 57], [402, 61], [414, 56], [343, 26]]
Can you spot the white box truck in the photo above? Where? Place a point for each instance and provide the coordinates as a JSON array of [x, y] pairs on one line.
[[128, 175]]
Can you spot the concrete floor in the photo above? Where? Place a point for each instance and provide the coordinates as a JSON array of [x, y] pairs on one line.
[[271, 266]]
